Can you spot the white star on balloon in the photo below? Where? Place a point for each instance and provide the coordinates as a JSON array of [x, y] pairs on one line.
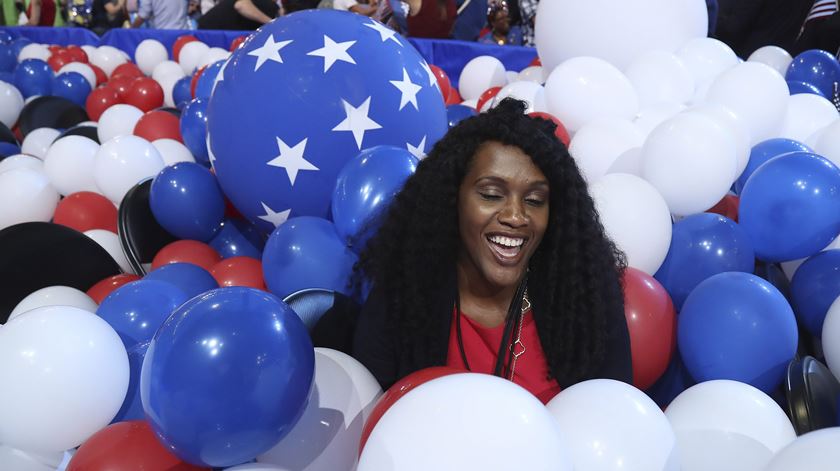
[[419, 151], [408, 90], [292, 159], [357, 121], [432, 79], [385, 32], [332, 52], [274, 217], [270, 51]]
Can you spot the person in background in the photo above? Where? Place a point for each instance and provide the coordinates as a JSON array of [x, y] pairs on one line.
[[107, 15], [240, 15], [820, 30], [746, 25], [500, 32], [163, 14], [41, 13], [431, 18], [528, 18], [367, 9]]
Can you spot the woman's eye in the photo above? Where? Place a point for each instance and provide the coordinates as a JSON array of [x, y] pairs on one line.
[[489, 196], [535, 201]]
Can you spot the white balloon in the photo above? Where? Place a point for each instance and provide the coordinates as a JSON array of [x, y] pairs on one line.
[[34, 51], [730, 122], [628, 162], [479, 74], [326, 437], [614, 426], [534, 73], [111, 243], [25, 195], [758, 96], [791, 266], [212, 55], [721, 450], [466, 421], [118, 120], [69, 164], [167, 68], [813, 451], [511, 76], [690, 159], [172, 151], [773, 56], [660, 76], [22, 161], [38, 141], [831, 337], [11, 103], [54, 296], [191, 55], [123, 162], [59, 350], [530, 92], [471, 103], [806, 114], [82, 68], [827, 142], [731, 414], [598, 144], [584, 89], [706, 58], [635, 217], [89, 50], [107, 58], [167, 83], [652, 116], [615, 31], [150, 53], [19, 460], [255, 467]]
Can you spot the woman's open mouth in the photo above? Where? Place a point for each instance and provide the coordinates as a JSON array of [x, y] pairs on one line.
[[506, 249]]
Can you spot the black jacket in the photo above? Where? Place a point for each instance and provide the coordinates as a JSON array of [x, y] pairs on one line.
[[376, 343]]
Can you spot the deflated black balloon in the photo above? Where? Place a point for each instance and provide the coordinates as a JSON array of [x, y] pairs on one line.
[[6, 135], [140, 234], [812, 392], [50, 112], [83, 130]]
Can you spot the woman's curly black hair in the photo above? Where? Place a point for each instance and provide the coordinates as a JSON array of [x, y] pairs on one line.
[[576, 268]]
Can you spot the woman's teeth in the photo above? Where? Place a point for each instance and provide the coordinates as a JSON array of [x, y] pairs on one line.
[[507, 241]]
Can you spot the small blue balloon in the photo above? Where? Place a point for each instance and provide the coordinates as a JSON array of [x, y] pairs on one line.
[[238, 238], [703, 245], [764, 151], [817, 67], [33, 77], [227, 376], [191, 279], [73, 86], [194, 128], [204, 86], [674, 381], [136, 310], [790, 206], [8, 60], [181, 92], [186, 201], [737, 326], [796, 88], [457, 113], [132, 408], [365, 187], [18, 44], [8, 148], [815, 285], [306, 252]]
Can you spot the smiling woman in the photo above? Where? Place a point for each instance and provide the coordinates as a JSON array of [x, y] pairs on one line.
[[492, 259]]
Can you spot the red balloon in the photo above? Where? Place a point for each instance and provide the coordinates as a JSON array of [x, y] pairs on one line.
[[121, 84], [194, 81], [100, 100], [187, 251], [179, 43], [78, 54], [560, 132], [126, 446], [127, 69], [100, 74], [59, 59], [488, 95], [239, 271], [86, 210], [728, 207], [145, 93], [454, 97], [397, 391], [53, 48], [103, 288], [230, 210], [157, 124], [536, 61], [236, 42], [442, 80], [652, 324]]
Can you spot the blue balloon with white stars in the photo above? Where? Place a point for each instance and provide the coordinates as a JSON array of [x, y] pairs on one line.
[[305, 94]]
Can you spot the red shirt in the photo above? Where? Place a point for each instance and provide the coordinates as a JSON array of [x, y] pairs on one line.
[[481, 345], [47, 12], [431, 21]]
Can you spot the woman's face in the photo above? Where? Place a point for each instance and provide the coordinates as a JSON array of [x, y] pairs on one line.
[[502, 216]]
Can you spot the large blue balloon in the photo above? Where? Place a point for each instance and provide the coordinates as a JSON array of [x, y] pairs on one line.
[[136, 310], [457, 113], [764, 151], [5, 37], [815, 285], [737, 326], [790, 206], [796, 88], [8, 61], [306, 252], [238, 238], [132, 408], [33, 77], [204, 85], [191, 279], [703, 245], [73, 86], [305, 94], [181, 91], [227, 376], [365, 187], [18, 44], [194, 129], [187, 201], [817, 67]]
